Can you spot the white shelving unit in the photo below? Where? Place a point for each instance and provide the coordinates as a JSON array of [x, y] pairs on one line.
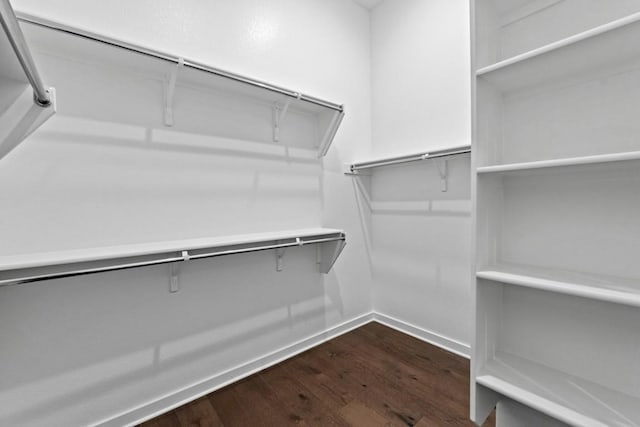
[[556, 153], [27, 268], [191, 97], [20, 111]]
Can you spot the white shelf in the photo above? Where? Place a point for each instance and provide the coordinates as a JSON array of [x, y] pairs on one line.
[[567, 398], [602, 288], [602, 46], [22, 265], [572, 161], [268, 112]]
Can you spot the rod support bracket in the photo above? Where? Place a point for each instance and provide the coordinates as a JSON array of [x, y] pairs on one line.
[[443, 171], [170, 91], [279, 259], [279, 113], [347, 169], [174, 272]]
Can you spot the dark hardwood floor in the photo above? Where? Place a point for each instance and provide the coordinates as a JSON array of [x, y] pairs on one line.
[[372, 376]]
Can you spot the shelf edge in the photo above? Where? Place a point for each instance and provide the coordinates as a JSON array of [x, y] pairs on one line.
[[156, 248], [571, 161], [567, 288]]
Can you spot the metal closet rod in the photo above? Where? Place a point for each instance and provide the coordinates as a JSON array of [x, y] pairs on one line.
[[166, 57], [16, 39], [185, 256], [464, 149]]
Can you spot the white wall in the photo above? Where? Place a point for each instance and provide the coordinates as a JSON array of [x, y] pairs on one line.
[[421, 101], [104, 171], [512, 414]]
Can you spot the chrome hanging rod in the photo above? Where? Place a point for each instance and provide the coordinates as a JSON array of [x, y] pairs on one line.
[[184, 256], [42, 22], [16, 39], [464, 149]]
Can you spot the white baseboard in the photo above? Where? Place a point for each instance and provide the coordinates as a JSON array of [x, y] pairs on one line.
[[187, 394], [441, 341]]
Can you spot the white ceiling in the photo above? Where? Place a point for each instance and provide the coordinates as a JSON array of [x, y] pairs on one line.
[[368, 4]]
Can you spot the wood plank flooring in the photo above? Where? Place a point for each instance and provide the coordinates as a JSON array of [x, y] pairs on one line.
[[372, 376]]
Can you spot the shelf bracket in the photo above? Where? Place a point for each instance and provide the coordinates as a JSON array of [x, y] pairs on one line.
[[170, 90], [330, 133], [328, 253], [319, 255], [279, 113], [280, 254], [174, 273], [279, 261], [443, 171]]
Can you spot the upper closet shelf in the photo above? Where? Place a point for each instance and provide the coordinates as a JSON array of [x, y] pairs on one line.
[[554, 163], [386, 161], [608, 45], [277, 114], [616, 290], [26, 268], [26, 102]]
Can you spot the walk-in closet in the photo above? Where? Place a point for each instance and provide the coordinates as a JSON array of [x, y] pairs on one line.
[[319, 213]]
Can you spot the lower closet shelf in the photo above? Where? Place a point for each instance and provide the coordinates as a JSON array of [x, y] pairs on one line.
[[568, 398], [599, 287], [34, 267]]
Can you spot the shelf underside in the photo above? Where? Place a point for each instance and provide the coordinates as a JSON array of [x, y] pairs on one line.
[[565, 397], [605, 46]]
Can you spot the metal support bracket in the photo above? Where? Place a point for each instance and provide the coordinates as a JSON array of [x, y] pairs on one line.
[[330, 133], [279, 255], [328, 254], [443, 171], [170, 92], [319, 255], [279, 113], [174, 272]]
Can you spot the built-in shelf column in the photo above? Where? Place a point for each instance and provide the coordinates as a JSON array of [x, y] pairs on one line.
[[555, 143]]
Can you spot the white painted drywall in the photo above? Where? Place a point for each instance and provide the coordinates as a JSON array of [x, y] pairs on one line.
[[513, 414], [421, 101], [104, 171]]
